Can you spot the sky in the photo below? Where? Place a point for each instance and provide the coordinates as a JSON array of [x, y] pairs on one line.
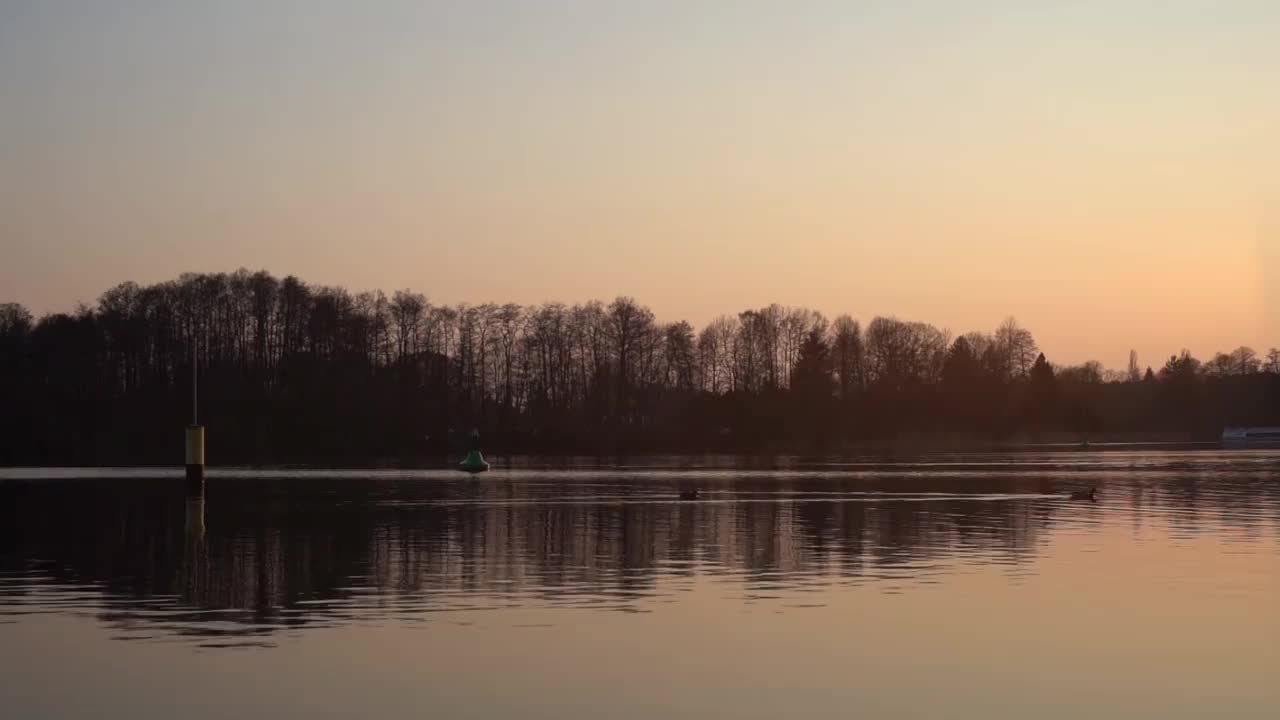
[[1107, 172]]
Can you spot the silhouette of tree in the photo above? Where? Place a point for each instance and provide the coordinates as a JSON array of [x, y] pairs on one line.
[[408, 312], [1181, 400], [813, 385], [1222, 365], [681, 362], [961, 368], [1244, 361], [1181, 367], [901, 354], [630, 327], [297, 373], [1273, 361], [1087, 373], [1017, 346], [715, 353], [847, 356], [812, 375], [15, 381], [751, 346], [965, 385], [1042, 393], [14, 319]]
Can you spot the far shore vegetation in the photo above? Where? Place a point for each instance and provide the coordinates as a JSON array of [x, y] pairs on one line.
[[296, 373]]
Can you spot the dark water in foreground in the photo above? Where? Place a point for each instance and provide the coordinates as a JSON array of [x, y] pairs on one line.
[[970, 587]]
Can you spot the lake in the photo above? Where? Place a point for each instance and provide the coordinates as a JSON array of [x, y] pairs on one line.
[[966, 586]]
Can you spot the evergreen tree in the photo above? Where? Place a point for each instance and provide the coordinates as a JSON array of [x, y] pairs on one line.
[[961, 366], [1042, 393], [812, 377]]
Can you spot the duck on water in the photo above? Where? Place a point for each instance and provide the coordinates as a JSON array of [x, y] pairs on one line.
[[1091, 494]]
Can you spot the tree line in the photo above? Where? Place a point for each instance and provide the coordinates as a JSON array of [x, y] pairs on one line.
[[292, 372]]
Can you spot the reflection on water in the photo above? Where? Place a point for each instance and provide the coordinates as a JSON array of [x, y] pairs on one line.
[[267, 558]]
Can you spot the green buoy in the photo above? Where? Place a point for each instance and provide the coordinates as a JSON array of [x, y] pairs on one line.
[[474, 462]]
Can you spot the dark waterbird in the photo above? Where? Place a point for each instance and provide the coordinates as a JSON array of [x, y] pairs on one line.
[[690, 494], [1090, 495]]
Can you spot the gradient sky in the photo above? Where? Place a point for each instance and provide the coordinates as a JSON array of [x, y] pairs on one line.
[[1106, 171]]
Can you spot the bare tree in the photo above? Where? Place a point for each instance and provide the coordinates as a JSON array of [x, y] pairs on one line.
[[509, 320], [1222, 365], [629, 323], [1244, 361], [715, 350], [1089, 373], [407, 309], [847, 355], [264, 291], [680, 361], [1115, 376], [904, 353], [796, 324], [771, 333], [590, 334], [1017, 346], [323, 368], [14, 318], [547, 351], [373, 321], [747, 345]]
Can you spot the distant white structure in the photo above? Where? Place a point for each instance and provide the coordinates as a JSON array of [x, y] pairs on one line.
[[1251, 436]]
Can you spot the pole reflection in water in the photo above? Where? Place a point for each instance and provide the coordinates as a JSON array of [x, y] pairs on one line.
[[194, 571], [829, 590], [291, 552]]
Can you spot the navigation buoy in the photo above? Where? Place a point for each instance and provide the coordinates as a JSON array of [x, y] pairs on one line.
[[474, 462]]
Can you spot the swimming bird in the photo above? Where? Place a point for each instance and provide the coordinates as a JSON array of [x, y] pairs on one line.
[[1090, 495], [690, 494]]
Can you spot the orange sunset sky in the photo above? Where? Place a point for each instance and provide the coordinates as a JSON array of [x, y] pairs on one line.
[[1108, 172]]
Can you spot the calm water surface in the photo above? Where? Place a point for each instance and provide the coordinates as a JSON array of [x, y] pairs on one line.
[[965, 587]]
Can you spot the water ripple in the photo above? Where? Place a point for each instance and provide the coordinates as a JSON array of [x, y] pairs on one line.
[[270, 554]]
